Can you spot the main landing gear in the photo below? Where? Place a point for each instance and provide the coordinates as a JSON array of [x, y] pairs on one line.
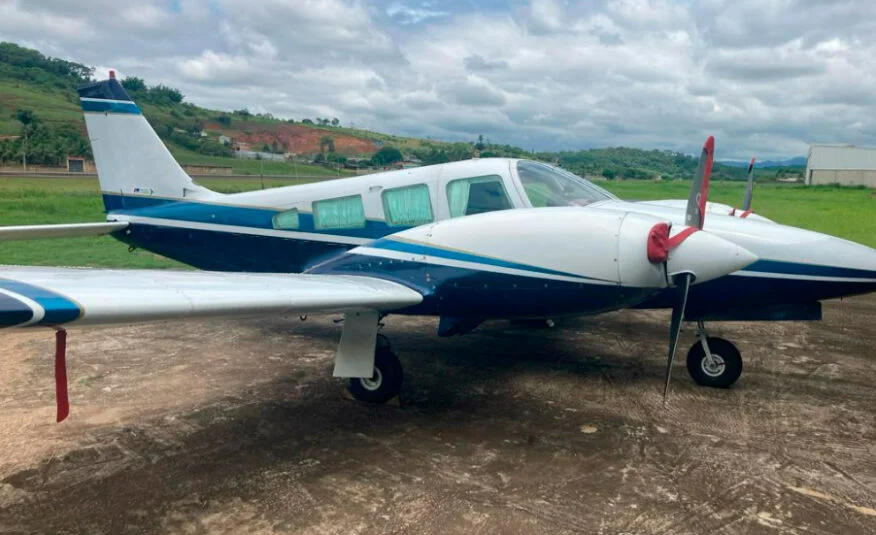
[[386, 381], [366, 359], [713, 361]]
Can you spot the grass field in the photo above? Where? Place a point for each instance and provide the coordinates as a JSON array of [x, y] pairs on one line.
[[845, 212]]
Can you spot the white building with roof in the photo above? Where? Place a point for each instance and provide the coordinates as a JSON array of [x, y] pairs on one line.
[[847, 165]]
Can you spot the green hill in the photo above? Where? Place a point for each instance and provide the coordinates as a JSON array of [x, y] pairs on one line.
[[38, 101]]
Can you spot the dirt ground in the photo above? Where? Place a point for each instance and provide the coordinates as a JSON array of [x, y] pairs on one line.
[[237, 427]]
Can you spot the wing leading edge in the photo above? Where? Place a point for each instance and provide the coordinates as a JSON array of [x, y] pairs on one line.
[[51, 297], [71, 230]]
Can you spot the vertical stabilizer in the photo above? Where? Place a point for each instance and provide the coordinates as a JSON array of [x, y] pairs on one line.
[[131, 159]]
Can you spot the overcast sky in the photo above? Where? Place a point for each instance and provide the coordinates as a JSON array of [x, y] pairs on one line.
[[766, 77]]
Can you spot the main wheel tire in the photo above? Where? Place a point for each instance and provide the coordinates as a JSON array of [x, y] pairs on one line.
[[727, 365], [386, 382]]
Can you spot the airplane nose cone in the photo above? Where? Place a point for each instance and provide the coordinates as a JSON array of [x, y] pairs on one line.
[[708, 257]]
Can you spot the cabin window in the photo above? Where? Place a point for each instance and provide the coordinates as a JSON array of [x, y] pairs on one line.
[[345, 212], [287, 220], [469, 196], [408, 206]]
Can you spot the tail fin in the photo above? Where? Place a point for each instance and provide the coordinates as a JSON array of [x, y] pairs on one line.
[[130, 158]]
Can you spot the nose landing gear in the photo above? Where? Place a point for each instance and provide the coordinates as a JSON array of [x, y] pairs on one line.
[[713, 361]]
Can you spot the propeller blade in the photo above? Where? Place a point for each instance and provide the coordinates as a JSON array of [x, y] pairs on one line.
[[749, 187], [682, 282], [699, 189]]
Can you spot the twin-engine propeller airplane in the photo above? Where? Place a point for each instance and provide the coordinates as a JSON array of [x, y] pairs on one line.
[[465, 241]]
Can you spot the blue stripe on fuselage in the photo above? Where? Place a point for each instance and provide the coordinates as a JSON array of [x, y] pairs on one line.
[[462, 256], [109, 106], [809, 270], [218, 250], [223, 214], [59, 309]]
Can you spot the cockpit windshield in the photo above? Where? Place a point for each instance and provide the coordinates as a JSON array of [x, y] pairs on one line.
[[546, 185]]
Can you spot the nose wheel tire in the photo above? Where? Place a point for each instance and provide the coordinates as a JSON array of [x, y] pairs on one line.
[[721, 370], [384, 384]]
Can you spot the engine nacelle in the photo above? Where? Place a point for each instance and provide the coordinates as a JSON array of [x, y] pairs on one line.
[[572, 260]]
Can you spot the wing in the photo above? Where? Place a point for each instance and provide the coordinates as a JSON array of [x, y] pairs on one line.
[[36, 296], [73, 230]]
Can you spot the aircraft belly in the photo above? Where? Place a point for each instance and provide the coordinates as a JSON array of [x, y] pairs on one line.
[[454, 291], [743, 292], [507, 296]]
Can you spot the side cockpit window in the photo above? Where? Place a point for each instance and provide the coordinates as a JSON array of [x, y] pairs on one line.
[[344, 212], [408, 205], [469, 196]]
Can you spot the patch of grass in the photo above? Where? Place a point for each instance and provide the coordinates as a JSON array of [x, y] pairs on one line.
[[86, 381], [52, 105], [845, 212]]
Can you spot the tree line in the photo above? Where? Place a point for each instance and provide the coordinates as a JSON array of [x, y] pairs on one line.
[[43, 144]]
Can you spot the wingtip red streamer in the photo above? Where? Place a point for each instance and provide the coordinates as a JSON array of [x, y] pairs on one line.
[[61, 374]]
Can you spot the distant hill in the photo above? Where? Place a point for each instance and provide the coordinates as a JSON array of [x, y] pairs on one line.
[[38, 98], [42, 92], [797, 161], [627, 163]]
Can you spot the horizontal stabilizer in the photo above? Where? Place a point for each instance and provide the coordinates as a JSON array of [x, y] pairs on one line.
[[36, 296], [73, 230]]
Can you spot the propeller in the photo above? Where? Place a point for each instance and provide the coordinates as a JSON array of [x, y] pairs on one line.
[[695, 218], [682, 284], [749, 189]]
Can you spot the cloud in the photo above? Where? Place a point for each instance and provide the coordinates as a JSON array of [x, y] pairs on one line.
[[212, 67], [412, 15], [478, 63], [472, 91], [767, 77]]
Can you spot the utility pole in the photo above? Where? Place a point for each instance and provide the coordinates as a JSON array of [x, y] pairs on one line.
[[24, 151]]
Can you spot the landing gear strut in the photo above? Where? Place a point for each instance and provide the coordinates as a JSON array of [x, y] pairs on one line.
[[386, 381], [713, 361]]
